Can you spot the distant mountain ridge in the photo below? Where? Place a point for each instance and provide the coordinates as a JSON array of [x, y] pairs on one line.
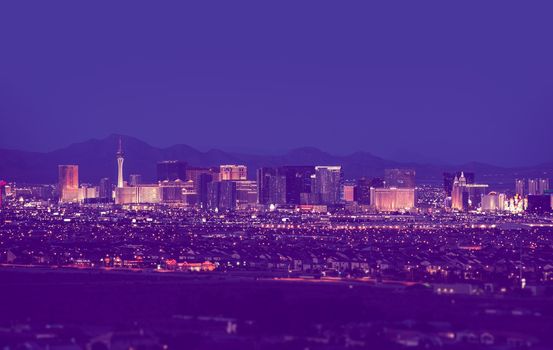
[[96, 159]]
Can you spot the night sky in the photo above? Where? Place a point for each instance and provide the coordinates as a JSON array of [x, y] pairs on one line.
[[409, 80]]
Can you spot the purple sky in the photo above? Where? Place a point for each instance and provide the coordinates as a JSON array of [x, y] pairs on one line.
[[454, 81]]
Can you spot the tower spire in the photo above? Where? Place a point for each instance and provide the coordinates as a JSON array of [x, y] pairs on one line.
[[120, 160]]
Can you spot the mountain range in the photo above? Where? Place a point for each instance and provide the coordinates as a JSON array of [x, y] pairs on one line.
[[96, 159]]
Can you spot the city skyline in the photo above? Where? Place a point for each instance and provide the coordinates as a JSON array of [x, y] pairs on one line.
[[254, 175]]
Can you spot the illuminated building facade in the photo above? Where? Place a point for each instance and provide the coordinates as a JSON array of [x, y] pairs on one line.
[[348, 193], [68, 183], [493, 202], [144, 194], [392, 199], [233, 172]]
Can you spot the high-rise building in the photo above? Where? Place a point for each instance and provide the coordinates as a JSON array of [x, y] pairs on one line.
[[120, 159], [399, 178], [203, 188], [327, 184], [459, 199], [271, 186], [246, 193], [363, 191], [105, 189], [135, 179], [194, 174], [222, 195], [233, 172], [519, 187], [533, 187], [171, 170], [543, 186], [68, 183], [298, 182], [178, 191]]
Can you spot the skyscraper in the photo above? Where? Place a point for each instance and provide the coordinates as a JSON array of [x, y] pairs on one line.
[[519, 187], [459, 198], [399, 178], [120, 159], [195, 174], [68, 183], [105, 189], [271, 186], [204, 180], [246, 193], [171, 170], [298, 182], [363, 191], [543, 186], [327, 184], [222, 195], [233, 172], [533, 187]]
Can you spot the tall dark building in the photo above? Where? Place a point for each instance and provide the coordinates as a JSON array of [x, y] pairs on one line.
[[105, 189], [203, 182], [298, 181], [194, 173], [221, 195], [171, 170], [399, 178], [362, 192], [271, 186]]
